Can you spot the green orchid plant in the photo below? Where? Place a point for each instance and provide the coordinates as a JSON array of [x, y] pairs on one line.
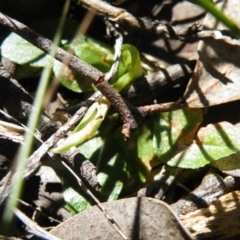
[[101, 56]]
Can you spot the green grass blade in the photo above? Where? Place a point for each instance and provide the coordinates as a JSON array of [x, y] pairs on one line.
[[211, 8], [25, 149]]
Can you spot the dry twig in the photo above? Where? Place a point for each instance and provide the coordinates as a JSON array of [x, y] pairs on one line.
[[37, 230], [166, 31]]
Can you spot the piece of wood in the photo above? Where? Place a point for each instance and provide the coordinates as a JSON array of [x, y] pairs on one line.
[[219, 221]]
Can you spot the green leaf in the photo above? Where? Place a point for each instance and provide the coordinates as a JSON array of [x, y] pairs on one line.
[[76, 202], [173, 131], [30, 59], [100, 56], [139, 156], [20, 51], [103, 151], [70, 79], [129, 68], [122, 166], [212, 143], [111, 172], [96, 53], [87, 127]]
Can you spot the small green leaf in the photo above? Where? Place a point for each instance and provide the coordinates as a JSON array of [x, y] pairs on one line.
[[212, 143], [139, 156], [100, 56], [87, 127], [76, 202], [70, 79], [20, 51], [173, 131], [103, 151], [96, 53], [129, 68]]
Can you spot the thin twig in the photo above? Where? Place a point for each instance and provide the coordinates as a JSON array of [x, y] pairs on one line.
[[117, 50], [39, 211], [152, 85], [161, 107], [160, 30], [37, 230]]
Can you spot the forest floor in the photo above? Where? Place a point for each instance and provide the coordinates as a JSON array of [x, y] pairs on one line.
[[175, 176]]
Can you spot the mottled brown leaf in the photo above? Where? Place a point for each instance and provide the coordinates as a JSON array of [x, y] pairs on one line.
[[139, 218]]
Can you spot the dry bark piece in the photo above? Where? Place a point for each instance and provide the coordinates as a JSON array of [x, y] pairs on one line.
[[216, 76], [153, 84], [139, 218], [219, 221], [81, 164], [211, 188]]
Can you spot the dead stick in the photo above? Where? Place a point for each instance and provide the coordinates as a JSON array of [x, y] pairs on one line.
[[121, 16]]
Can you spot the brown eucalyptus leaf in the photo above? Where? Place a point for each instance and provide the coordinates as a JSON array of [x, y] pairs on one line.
[[216, 76], [139, 218]]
